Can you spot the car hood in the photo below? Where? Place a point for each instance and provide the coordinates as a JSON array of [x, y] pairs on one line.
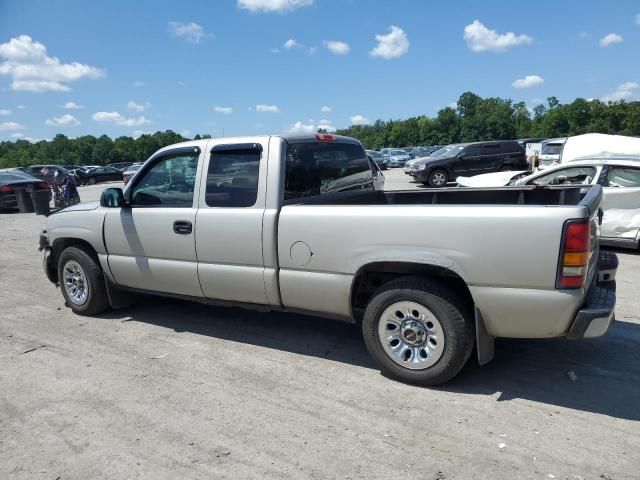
[[81, 207], [496, 179]]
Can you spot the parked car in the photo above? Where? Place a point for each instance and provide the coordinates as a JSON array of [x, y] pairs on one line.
[[551, 151], [412, 167], [379, 158], [620, 179], [472, 159], [103, 174], [90, 167], [397, 157], [11, 181], [130, 172], [122, 166], [47, 173], [272, 235]]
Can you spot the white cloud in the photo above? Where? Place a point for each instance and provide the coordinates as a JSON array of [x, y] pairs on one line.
[[32, 70], [609, 39], [312, 50], [4, 111], [274, 50], [392, 45], [481, 39], [359, 120], [72, 106], [120, 120], [225, 110], [453, 105], [138, 84], [139, 133], [337, 48], [191, 32], [638, 19], [186, 133], [626, 91], [325, 109], [10, 126], [300, 127], [311, 127], [270, 6], [267, 108], [528, 81], [65, 120], [583, 35], [136, 107], [21, 107], [291, 43], [21, 136]]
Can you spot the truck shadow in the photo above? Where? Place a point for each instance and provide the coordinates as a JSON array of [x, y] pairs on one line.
[[607, 368]]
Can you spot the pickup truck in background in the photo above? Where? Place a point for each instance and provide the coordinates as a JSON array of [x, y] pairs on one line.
[[296, 223]]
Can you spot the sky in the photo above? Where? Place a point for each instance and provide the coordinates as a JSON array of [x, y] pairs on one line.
[[244, 67]]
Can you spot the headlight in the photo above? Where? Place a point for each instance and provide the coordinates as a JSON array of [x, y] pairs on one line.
[[422, 166]]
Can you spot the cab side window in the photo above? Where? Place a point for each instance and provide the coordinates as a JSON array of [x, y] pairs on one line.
[[491, 149], [232, 179], [168, 183], [623, 177], [566, 176]]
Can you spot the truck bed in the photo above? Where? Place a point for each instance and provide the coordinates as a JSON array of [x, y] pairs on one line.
[[517, 195]]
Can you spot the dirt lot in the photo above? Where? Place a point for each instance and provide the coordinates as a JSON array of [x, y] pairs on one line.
[[172, 390]]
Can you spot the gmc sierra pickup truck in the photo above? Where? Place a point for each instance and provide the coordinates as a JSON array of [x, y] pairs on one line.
[[296, 223]]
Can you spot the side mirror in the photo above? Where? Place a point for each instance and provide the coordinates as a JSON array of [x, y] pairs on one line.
[[462, 155], [112, 198]]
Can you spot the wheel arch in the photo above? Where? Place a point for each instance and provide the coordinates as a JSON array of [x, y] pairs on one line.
[[59, 245], [373, 275]]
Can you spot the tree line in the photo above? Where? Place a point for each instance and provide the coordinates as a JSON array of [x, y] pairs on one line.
[[86, 150], [476, 118]]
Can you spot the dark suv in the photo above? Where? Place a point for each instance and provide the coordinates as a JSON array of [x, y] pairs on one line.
[[470, 159]]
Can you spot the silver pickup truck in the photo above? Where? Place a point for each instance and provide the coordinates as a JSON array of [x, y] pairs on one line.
[[296, 223]]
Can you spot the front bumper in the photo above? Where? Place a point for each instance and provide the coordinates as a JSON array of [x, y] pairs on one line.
[[597, 314], [47, 258]]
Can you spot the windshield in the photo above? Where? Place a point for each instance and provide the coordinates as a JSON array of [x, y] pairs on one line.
[[374, 154], [450, 151], [397, 152]]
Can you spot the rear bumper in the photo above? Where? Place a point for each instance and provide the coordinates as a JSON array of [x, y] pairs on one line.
[[597, 315]]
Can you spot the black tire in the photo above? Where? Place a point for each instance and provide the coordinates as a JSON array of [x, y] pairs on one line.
[[456, 322], [436, 176], [506, 168], [96, 301]]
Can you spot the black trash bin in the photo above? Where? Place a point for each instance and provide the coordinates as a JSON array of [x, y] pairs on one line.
[[23, 199], [41, 201]]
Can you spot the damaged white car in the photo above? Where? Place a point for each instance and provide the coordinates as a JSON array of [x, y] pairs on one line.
[[620, 179]]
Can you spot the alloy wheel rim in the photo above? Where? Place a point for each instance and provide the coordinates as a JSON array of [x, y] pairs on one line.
[[438, 178], [75, 283], [411, 335]]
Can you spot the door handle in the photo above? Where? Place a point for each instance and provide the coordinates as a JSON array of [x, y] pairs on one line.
[[182, 227]]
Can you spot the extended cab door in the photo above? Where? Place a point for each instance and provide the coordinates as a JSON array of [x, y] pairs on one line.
[[229, 222], [151, 242]]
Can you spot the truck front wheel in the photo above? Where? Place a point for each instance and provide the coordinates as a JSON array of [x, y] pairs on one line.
[[82, 282], [418, 331]]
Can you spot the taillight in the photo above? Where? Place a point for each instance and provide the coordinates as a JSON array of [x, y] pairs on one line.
[[44, 185], [574, 254], [325, 137], [6, 188]]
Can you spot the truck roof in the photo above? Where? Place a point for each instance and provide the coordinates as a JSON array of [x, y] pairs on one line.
[[306, 137]]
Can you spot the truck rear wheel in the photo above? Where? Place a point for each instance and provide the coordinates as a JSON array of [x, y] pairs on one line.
[[82, 282], [418, 331]]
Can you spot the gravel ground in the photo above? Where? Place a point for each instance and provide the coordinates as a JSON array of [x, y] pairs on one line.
[[168, 389]]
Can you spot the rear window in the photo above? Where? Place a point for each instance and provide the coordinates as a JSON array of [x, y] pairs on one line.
[[320, 168], [551, 149]]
